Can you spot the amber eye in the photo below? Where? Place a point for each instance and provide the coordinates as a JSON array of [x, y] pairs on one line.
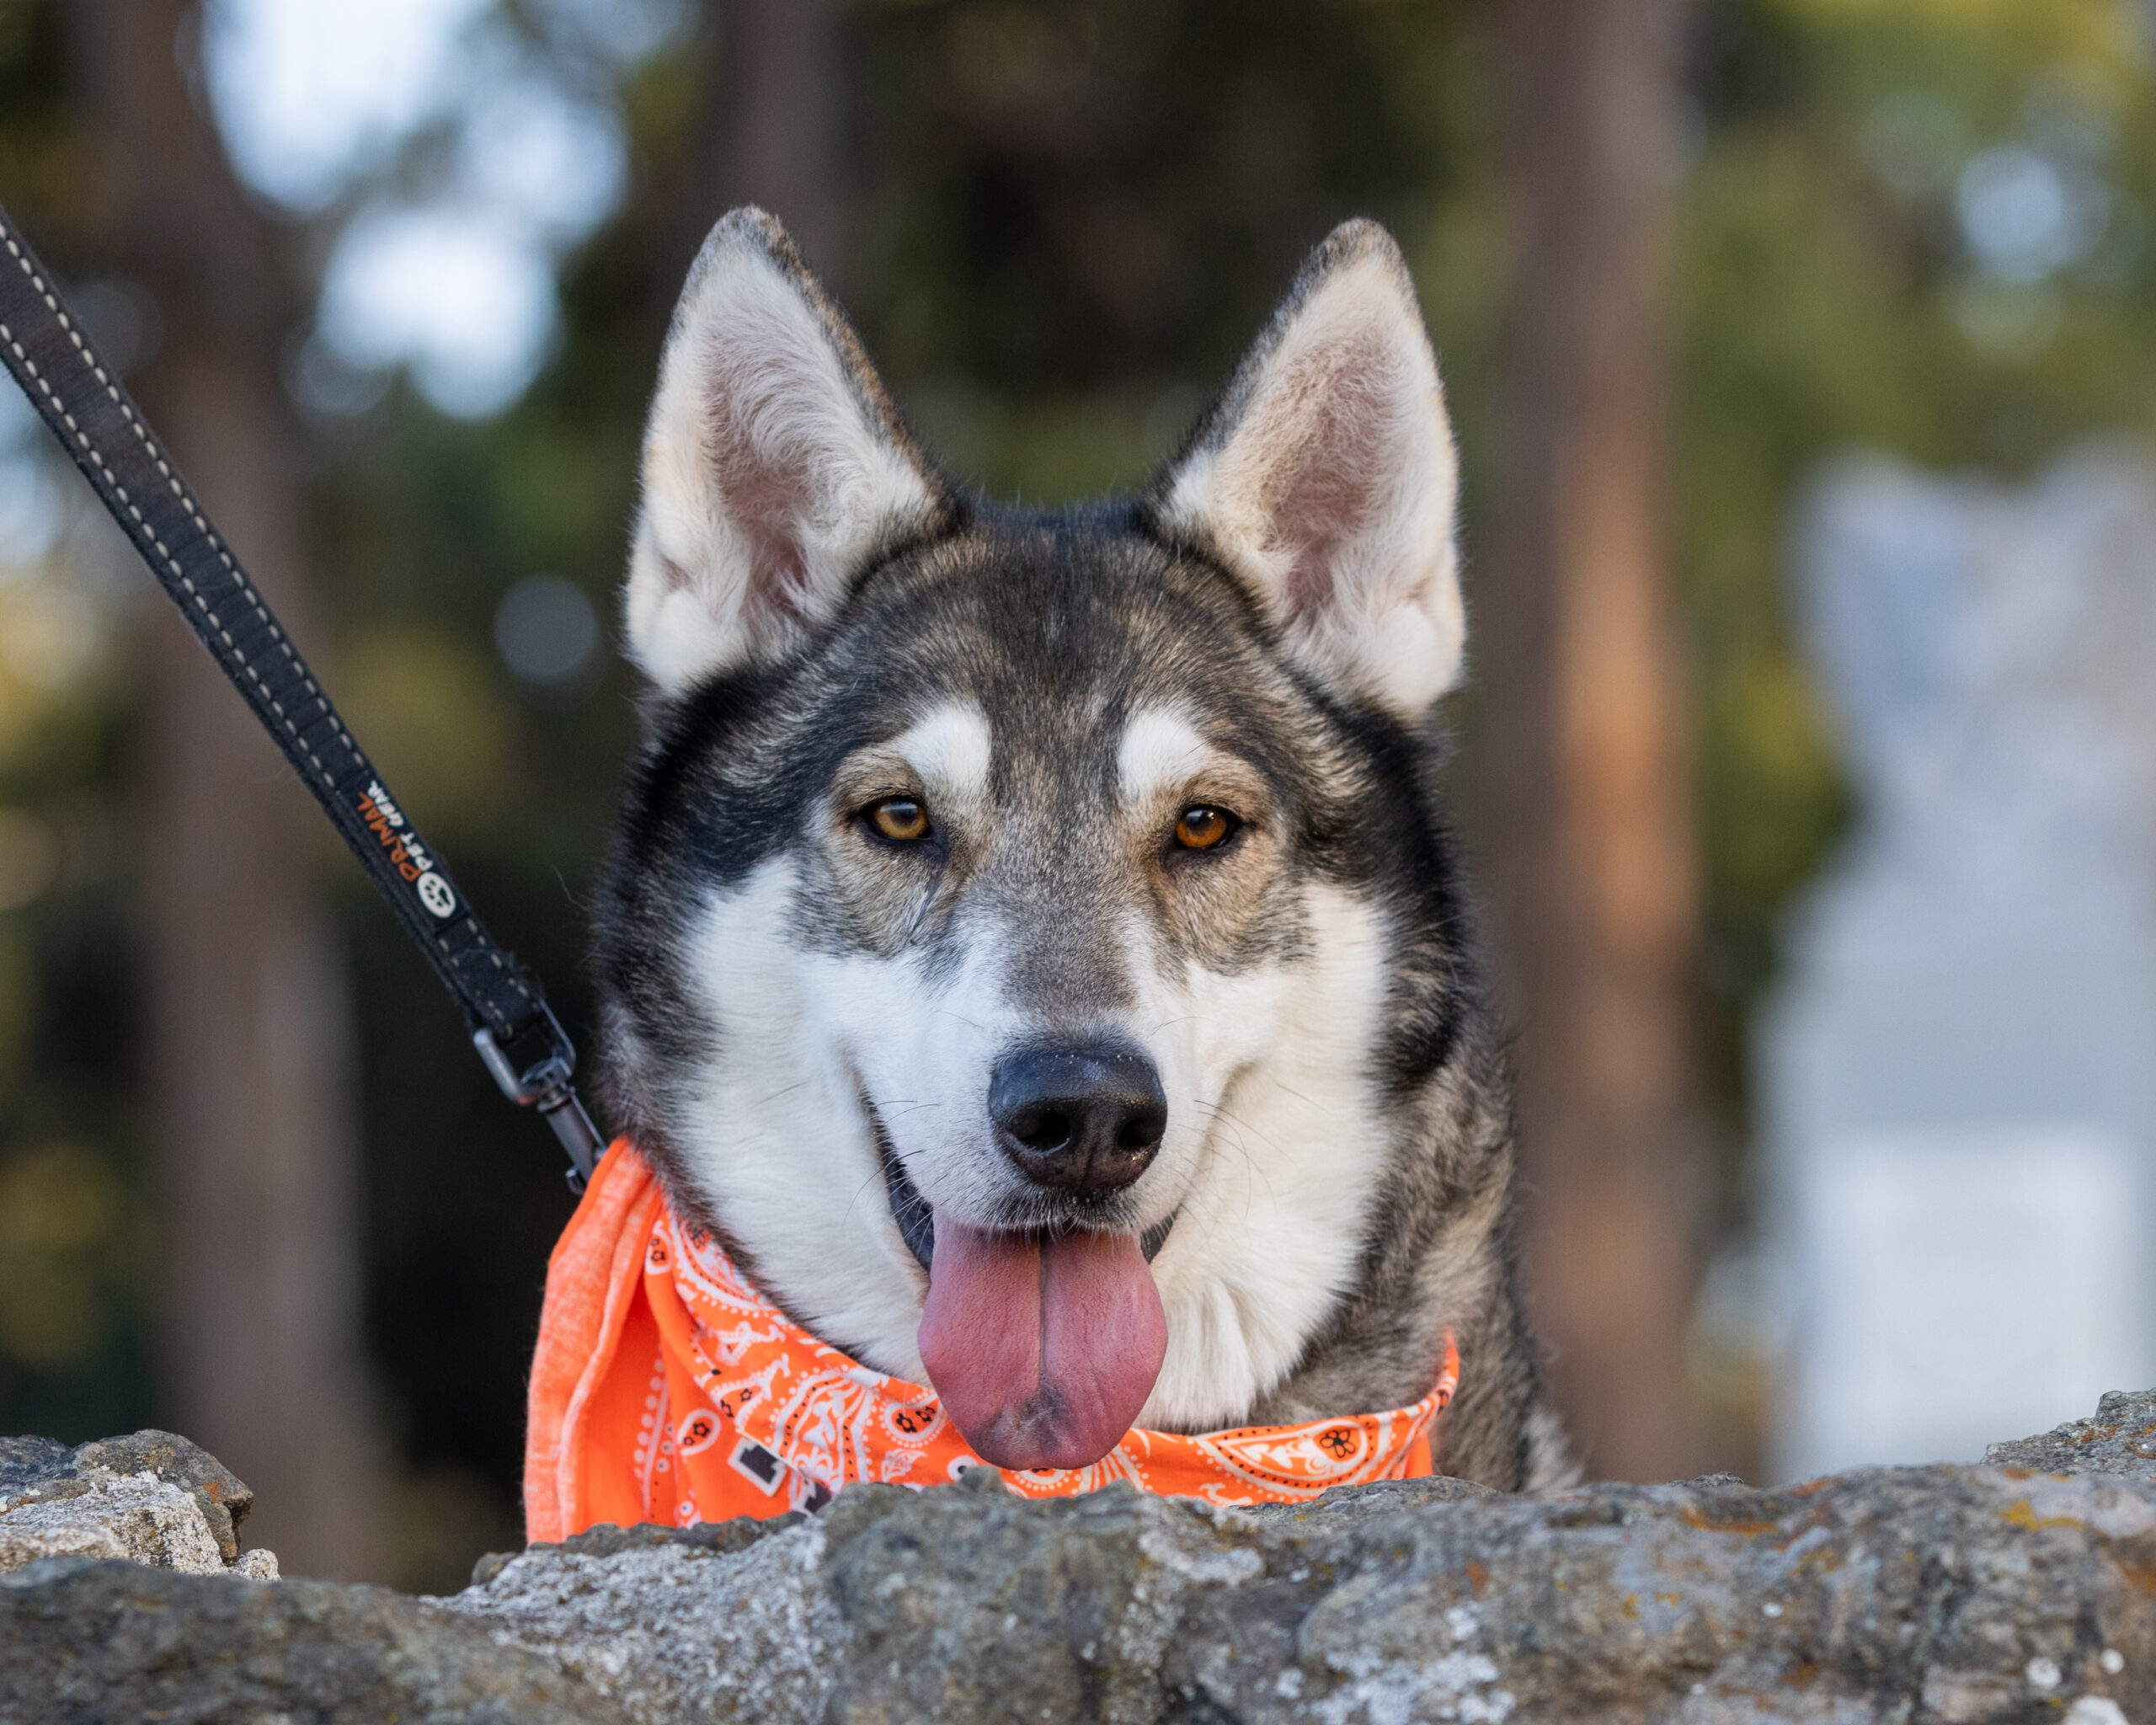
[[1203, 827], [898, 819]]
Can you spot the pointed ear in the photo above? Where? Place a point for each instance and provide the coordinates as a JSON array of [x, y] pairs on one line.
[[1324, 478], [775, 467]]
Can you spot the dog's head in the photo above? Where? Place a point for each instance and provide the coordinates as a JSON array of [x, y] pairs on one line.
[[1026, 935]]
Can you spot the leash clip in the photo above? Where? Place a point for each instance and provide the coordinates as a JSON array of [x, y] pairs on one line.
[[548, 1084]]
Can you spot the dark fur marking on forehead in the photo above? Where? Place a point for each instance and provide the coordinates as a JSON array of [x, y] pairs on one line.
[[1021, 615], [1058, 628]]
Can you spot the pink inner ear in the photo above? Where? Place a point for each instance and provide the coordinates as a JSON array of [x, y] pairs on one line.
[[1340, 426], [767, 504], [765, 481]]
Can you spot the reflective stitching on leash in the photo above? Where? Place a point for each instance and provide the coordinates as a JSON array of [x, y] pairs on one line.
[[240, 584]]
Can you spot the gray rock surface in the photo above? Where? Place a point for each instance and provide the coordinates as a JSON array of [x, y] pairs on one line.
[[2120, 1440], [150, 1497], [2023, 1589], [94, 1644]]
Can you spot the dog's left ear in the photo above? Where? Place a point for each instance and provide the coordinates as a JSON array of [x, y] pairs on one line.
[[1324, 478], [775, 467]]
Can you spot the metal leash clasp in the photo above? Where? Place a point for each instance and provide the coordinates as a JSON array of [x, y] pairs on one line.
[[547, 1083]]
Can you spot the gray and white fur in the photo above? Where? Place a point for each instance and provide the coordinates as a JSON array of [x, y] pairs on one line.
[[802, 1020]]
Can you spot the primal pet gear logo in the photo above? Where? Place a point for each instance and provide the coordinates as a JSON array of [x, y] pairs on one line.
[[1078, 882], [406, 853]]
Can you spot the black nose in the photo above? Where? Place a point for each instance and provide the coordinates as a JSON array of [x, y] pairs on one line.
[[1079, 1120]]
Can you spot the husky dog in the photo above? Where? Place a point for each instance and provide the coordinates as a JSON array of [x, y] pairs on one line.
[[1032, 943]]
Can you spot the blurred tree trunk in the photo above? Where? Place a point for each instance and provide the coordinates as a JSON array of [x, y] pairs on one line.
[[1590, 865], [771, 127], [250, 1085]]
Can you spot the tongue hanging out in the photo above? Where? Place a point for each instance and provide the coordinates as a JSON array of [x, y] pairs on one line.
[[1043, 1347]]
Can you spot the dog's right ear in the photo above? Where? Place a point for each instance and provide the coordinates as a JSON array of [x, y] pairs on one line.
[[775, 467], [1323, 479]]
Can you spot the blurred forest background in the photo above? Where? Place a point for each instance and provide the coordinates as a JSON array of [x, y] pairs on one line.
[[253, 1184]]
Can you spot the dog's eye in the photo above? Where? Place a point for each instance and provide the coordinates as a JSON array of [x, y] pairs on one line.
[[898, 819], [1203, 827]]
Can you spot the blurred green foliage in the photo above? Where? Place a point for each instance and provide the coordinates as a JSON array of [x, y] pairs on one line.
[[75, 1215], [1066, 220]]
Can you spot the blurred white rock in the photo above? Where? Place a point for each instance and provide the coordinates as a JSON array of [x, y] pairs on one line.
[[1958, 1074], [137, 1517]]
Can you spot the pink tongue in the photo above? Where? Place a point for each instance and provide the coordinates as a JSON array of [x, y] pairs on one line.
[[1043, 1347]]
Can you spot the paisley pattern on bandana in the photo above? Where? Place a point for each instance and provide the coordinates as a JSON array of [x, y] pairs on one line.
[[667, 1388]]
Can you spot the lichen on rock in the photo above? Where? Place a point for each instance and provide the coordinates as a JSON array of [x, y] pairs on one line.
[[150, 1497], [2020, 1589]]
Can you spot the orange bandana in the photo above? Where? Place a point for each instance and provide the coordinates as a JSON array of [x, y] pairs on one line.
[[666, 1388]]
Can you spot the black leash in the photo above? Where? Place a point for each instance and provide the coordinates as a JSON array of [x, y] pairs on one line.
[[103, 431]]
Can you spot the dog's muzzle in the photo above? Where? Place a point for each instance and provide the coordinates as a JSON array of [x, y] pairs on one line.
[[916, 1220]]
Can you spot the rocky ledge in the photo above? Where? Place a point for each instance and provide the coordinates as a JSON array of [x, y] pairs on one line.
[[2022, 1588], [151, 1498]]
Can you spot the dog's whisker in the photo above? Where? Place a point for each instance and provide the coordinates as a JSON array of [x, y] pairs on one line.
[[1255, 1171], [855, 1201]]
